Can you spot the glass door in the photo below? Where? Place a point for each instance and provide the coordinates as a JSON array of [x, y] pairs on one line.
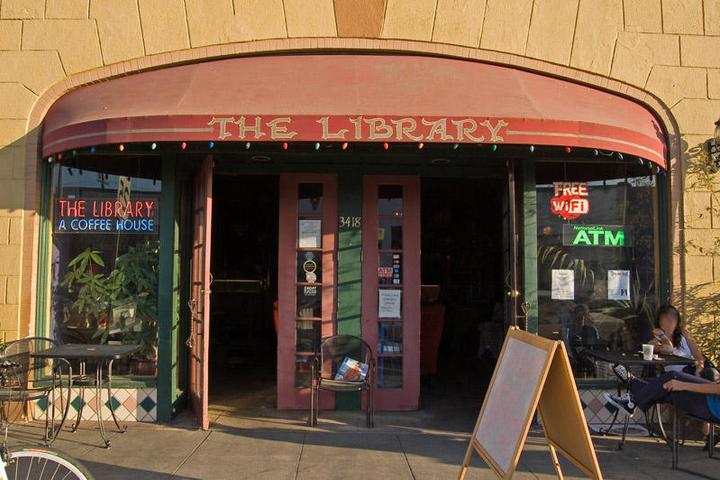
[[391, 287], [306, 282]]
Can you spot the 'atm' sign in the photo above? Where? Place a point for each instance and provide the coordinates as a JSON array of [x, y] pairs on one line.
[[570, 200]]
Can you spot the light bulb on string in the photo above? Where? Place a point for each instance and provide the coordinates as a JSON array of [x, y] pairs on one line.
[[74, 153], [211, 144], [93, 149], [386, 145], [317, 145], [568, 149], [121, 147], [344, 146], [153, 146], [60, 155], [183, 145], [456, 146], [421, 145], [595, 152], [247, 146], [620, 156], [493, 147], [532, 148], [285, 145], [50, 159]]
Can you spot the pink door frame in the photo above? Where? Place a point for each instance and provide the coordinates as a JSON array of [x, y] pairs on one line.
[[288, 396], [407, 397], [199, 341]]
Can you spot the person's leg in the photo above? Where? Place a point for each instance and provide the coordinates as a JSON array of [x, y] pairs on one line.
[[649, 392], [691, 402]]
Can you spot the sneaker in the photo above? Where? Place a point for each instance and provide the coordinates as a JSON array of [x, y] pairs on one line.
[[621, 372], [624, 403]]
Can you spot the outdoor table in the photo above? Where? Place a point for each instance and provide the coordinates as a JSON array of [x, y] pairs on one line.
[[103, 356], [635, 359]]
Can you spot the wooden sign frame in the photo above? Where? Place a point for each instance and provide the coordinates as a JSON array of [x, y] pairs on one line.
[[556, 399]]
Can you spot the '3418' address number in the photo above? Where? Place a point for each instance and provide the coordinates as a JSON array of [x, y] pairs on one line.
[[350, 222]]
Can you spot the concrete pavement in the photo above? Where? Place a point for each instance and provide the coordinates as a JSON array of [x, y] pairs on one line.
[[266, 444]]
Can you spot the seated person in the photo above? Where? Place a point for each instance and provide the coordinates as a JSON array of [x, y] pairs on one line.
[[671, 338], [695, 395]]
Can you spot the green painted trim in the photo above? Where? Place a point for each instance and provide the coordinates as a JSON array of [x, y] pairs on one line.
[[166, 280], [664, 241], [44, 240], [529, 244], [185, 259], [349, 272]]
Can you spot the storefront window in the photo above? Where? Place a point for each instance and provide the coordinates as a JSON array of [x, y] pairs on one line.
[[597, 251], [105, 247]]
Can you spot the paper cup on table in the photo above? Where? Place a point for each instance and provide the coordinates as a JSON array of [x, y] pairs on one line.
[[648, 351]]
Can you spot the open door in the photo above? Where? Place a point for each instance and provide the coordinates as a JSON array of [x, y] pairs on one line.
[[199, 303], [391, 287]]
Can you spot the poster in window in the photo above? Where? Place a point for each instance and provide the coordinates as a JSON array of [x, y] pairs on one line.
[[310, 234], [563, 285], [389, 303], [618, 284]]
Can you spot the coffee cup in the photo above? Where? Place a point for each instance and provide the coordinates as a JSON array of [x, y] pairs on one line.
[[648, 351]]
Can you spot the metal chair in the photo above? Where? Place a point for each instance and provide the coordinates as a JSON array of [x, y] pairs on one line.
[[333, 352], [28, 378]]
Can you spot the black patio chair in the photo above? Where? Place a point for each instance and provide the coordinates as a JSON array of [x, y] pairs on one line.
[[327, 372], [25, 378]]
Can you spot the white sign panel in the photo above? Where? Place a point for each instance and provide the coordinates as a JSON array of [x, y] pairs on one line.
[[618, 284], [310, 234], [563, 285], [389, 303]]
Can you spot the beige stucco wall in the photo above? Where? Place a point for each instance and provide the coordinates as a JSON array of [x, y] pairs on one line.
[[669, 48]]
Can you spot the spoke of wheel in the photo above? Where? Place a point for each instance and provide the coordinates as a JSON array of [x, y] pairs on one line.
[[27, 477], [57, 469], [43, 469]]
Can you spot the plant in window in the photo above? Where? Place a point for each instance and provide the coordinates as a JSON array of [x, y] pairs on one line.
[[91, 287], [135, 281]]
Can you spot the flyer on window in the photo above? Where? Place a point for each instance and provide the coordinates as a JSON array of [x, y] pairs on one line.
[[618, 284], [389, 303], [563, 285]]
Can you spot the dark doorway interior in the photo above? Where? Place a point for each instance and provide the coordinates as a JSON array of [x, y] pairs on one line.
[[243, 343], [462, 293]]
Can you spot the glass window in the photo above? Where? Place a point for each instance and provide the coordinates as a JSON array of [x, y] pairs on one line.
[[105, 247], [597, 276]]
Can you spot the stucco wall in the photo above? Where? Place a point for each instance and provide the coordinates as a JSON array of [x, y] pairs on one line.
[[669, 48]]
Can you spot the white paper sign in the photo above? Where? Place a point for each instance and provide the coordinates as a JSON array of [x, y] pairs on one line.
[[310, 234], [563, 285], [618, 284], [389, 303]]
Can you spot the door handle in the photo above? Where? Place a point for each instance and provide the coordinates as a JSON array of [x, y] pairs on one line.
[[190, 342]]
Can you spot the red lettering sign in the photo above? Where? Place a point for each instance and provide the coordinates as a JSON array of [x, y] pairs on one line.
[[570, 200]]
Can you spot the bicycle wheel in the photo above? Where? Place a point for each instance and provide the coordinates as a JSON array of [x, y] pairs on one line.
[[39, 464]]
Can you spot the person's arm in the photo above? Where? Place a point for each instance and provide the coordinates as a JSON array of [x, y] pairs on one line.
[[703, 388], [696, 353]]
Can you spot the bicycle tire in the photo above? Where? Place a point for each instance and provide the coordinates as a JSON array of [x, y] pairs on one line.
[[41, 464]]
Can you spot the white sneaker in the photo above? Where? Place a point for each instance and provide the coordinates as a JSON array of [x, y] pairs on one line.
[[624, 403]]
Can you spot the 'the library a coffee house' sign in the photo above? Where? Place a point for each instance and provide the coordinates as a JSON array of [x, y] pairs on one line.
[[106, 215]]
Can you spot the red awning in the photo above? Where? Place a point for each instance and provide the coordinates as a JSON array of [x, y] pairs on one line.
[[385, 98]]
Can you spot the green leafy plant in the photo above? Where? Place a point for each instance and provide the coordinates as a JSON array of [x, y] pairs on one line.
[[556, 257], [131, 286], [91, 287]]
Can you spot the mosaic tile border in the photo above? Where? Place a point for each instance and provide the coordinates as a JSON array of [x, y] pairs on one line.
[[599, 412], [129, 404]]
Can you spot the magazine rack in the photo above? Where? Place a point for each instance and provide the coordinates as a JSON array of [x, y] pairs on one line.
[[342, 357]]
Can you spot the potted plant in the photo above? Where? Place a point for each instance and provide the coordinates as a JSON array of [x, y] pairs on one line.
[[122, 305], [89, 286]]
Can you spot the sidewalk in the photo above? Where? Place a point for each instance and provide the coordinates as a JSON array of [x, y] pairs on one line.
[[266, 444]]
